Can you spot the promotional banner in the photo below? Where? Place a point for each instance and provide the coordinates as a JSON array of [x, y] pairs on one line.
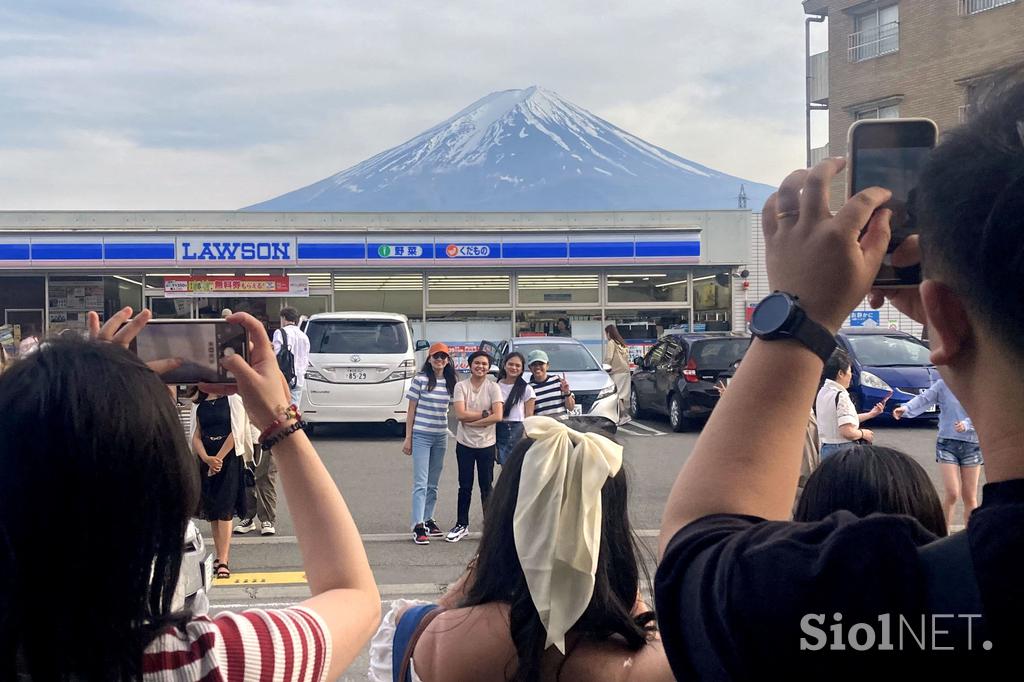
[[236, 287]]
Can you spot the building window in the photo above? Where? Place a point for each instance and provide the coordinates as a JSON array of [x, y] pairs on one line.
[[667, 285], [482, 289], [968, 7], [876, 111], [395, 293], [876, 33], [541, 289]]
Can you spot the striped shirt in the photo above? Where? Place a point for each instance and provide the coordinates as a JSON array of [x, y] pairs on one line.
[[431, 406], [258, 645], [550, 402]]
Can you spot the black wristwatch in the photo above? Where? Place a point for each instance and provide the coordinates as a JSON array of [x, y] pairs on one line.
[[779, 316], [485, 413]]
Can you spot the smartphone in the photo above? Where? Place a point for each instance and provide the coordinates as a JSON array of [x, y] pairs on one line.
[[200, 344], [890, 153]]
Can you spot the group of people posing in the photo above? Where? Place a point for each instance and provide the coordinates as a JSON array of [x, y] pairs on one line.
[[869, 590], [490, 419]]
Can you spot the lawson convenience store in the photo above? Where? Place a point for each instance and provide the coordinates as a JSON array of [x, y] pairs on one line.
[[459, 277]]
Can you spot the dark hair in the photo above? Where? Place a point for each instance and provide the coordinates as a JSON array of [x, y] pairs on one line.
[[870, 479], [97, 438], [290, 314], [972, 212], [450, 379], [615, 335], [519, 387], [838, 362], [498, 575], [479, 354], [565, 320]]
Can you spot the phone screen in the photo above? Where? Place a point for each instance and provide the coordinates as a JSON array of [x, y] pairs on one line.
[[891, 154], [200, 344]]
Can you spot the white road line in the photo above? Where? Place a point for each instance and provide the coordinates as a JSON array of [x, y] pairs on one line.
[[649, 428], [365, 537], [632, 432]]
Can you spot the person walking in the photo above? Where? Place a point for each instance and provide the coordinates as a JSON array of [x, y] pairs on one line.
[[957, 450], [838, 420], [261, 496], [554, 399], [478, 407], [426, 437], [518, 399], [220, 438], [297, 344], [616, 354]]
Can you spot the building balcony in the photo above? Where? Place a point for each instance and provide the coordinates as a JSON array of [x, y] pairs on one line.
[[819, 78], [874, 42], [819, 154], [968, 7]]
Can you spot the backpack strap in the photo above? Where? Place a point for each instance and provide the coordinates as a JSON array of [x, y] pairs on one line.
[[408, 631], [951, 586]]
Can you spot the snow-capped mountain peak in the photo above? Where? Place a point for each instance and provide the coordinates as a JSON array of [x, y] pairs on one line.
[[521, 150]]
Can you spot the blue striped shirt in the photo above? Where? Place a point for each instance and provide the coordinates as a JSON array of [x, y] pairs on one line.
[[431, 406]]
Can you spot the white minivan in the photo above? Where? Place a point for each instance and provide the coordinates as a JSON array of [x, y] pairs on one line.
[[360, 367]]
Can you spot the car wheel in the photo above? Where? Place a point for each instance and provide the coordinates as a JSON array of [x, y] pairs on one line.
[[675, 414], [634, 404]]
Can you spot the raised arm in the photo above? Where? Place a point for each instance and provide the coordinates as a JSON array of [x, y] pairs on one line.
[[747, 459]]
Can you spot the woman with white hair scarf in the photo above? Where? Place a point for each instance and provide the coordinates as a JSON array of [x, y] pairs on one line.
[[555, 590]]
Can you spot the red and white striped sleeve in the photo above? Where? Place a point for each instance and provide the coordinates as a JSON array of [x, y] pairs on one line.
[[257, 645]]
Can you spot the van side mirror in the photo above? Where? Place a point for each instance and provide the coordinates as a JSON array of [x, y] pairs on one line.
[[422, 345]]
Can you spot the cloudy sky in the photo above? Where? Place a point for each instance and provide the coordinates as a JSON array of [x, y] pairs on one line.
[[204, 104]]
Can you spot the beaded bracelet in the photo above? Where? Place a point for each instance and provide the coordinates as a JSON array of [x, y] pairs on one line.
[[268, 443], [287, 414]]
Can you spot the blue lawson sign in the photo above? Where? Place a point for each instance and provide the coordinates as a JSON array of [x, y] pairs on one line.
[[231, 249], [865, 318]]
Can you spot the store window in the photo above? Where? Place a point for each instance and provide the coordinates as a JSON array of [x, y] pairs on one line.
[[712, 300], [165, 308], [73, 296], [22, 302], [468, 290], [535, 289], [641, 329], [386, 293], [648, 286], [584, 325], [464, 330]]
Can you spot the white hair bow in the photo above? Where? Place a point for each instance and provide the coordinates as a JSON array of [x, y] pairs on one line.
[[557, 524]]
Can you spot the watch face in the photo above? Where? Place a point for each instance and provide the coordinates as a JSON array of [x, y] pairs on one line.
[[770, 314]]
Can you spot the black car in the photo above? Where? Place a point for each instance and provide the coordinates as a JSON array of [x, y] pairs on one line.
[[677, 376]]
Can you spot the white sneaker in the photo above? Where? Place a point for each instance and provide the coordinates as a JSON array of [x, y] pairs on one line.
[[267, 528], [246, 526], [457, 532]]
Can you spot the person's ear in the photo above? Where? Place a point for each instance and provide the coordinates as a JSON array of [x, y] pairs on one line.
[[950, 332]]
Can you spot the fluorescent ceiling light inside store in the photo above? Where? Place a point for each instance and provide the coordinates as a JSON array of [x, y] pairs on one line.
[[672, 284], [130, 281]]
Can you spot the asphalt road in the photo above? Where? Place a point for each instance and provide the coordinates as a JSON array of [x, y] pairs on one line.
[[375, 477]]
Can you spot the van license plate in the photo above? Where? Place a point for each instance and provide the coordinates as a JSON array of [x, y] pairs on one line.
[[356, 376]]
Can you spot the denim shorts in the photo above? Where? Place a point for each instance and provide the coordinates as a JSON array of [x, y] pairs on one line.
[[959, 452]]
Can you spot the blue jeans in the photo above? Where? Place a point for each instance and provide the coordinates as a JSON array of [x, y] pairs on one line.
[[829, 449], [427, 461], [508, 434]]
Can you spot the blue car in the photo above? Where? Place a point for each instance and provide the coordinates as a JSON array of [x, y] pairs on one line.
[[885, 360]]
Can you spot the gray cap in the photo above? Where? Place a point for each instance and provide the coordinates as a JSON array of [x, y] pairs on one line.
[[536, 356]]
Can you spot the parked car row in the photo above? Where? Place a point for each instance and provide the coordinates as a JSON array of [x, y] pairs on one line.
[[361, 365]]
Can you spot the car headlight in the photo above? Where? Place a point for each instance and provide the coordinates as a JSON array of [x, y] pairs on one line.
[[605, 392], [871, 381], [315, 375]]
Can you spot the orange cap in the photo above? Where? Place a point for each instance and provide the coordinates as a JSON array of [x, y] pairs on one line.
[[439, 348]]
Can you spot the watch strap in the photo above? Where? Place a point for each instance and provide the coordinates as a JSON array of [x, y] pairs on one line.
[[813, 335]]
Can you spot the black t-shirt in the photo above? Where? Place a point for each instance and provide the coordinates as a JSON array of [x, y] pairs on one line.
[[740, 598]]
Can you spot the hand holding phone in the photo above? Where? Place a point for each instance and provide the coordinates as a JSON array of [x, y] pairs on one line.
[[891, 153], [198, 346]]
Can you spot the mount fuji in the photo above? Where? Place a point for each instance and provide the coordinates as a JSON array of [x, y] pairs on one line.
[[523, 150]]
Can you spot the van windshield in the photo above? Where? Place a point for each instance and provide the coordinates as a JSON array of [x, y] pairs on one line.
[[357, 336]]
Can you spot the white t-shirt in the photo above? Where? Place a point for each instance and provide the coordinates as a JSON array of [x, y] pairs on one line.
[[833, 413], [477, 400], [298, 344], [518, 412]]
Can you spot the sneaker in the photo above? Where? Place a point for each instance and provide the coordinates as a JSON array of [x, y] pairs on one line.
[[267, 528], [457, 532], [246, 526], [433, 530], [419, 535]]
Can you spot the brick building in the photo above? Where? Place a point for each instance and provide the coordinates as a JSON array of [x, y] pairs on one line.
[[902, 58]]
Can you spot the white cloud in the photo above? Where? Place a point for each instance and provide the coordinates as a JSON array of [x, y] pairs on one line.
[[219, 104]]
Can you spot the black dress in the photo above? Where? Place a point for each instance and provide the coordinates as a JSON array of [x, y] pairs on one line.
[[223, 494]]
